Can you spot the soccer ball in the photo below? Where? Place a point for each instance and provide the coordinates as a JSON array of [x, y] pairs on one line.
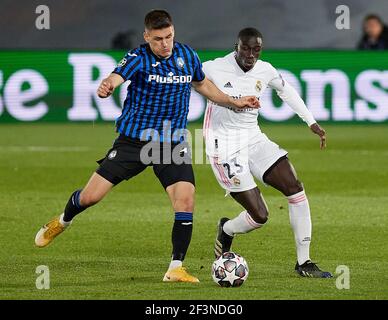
[[230, 270]]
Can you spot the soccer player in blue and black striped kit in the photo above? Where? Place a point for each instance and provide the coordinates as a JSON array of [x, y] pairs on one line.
[[155, 112]]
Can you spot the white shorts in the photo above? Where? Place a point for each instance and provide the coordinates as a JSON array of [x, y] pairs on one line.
[[236, 172]]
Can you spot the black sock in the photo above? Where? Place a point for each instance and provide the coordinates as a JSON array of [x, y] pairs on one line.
[[181, 234], [73, 207]]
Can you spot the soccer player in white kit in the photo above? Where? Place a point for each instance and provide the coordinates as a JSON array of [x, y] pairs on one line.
[[238, 151]]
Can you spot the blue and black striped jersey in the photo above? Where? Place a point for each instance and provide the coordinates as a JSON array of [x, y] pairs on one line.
[[157, 102]]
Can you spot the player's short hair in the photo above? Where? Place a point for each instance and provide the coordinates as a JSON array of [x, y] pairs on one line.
[[373, 17], [157, 19], [249, 32]]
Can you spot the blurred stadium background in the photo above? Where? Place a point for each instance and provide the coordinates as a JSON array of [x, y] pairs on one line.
[[91, 24], [48, 80]]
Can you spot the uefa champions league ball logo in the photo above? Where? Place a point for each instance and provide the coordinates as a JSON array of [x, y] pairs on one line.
[[122, 62], [180, 62], [112, 154]]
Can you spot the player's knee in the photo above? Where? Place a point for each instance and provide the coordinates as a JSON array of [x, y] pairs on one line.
[[293, 188], [185, 204], [259, 215], [88, 199]]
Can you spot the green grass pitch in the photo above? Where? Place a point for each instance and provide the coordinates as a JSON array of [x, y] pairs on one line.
[[121, 248]]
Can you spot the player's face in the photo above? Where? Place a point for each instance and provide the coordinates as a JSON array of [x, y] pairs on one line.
[[373, 28], [248, 51], [161, 41]]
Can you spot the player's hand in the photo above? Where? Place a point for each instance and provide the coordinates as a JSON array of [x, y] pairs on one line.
[[105, 89], [317, 129], [247, 102]]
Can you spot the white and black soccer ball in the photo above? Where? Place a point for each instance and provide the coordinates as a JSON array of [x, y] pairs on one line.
[[230, 270]]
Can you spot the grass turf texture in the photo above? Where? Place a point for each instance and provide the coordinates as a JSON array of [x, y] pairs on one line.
[[121, 248]]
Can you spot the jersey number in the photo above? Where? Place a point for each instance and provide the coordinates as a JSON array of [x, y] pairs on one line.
[[237, 166]]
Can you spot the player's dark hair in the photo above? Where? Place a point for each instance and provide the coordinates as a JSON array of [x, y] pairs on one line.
[[157, 19], [249, 32], [373, 17]]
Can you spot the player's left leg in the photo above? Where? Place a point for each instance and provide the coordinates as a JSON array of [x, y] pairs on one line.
[[282, 176], [252, 218], [178, 180]]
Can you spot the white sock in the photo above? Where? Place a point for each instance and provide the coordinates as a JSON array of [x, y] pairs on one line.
[[300, 219], [243, 223], [62, 222], [175, 264]]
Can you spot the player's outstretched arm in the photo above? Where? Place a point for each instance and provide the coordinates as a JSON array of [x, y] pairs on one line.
[[288, 94], [108, 85], [209, 90]]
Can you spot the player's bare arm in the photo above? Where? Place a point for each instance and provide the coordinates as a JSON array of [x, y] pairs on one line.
[[209, 90], [108, 85], [317, 129]]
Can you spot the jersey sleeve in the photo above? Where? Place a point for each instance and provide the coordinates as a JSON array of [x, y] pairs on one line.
[[129, 65], [198, 74], [206, 67], [288, 94]]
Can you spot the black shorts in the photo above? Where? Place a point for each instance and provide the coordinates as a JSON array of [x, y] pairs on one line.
[[128, 157]]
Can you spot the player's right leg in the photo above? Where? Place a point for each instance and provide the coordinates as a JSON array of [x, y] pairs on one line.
[[94, 191], [234, 176], [121, 162]]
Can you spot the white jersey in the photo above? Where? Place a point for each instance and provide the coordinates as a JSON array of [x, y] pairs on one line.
[[228, 130]]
